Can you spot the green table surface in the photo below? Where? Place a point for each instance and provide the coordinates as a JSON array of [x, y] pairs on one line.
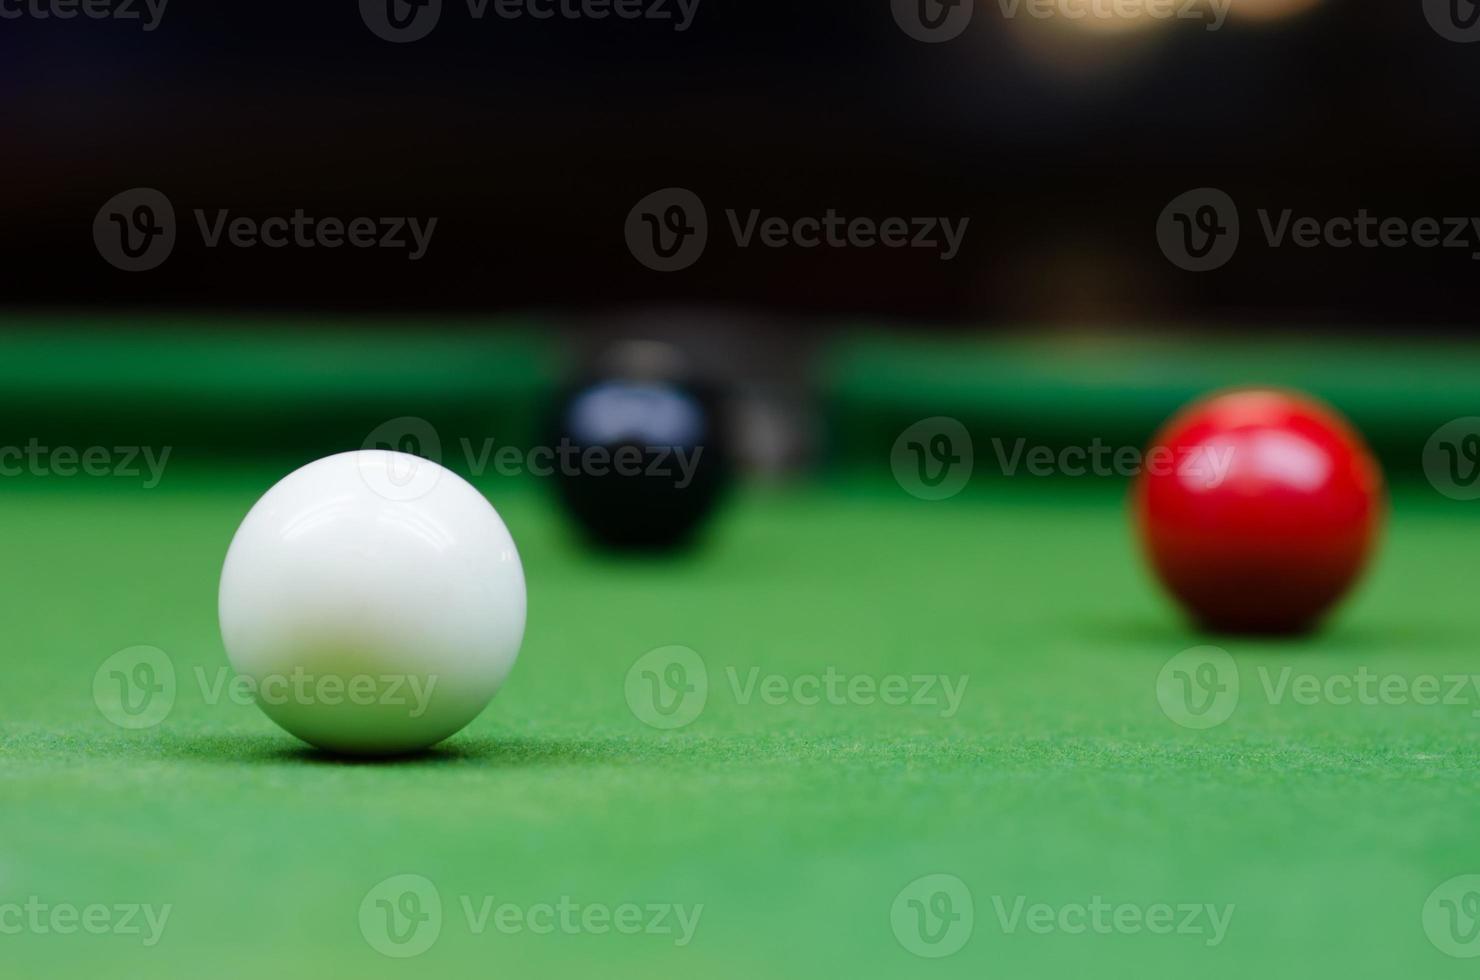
[[1058, 781]]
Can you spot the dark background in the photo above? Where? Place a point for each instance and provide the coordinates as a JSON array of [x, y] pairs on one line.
[[530, 141]]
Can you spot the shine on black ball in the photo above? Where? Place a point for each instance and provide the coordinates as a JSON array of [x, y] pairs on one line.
[[643, 461]]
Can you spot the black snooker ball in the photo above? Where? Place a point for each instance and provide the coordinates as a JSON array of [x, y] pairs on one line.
[[642, 461]]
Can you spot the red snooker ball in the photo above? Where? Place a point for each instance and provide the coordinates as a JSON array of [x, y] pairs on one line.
[[1258, 509]]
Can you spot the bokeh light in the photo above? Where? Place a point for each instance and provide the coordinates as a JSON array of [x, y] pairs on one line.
[[1268, 10]]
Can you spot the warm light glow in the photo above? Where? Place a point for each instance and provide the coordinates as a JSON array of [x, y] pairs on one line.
[[1092, 47], [1268, 9], [1093, 38], [1109, 16], [1114, 18]]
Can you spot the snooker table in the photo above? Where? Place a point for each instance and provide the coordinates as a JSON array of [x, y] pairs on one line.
[[785, 830]]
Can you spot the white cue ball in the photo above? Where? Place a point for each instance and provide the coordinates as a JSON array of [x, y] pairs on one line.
[[374, 601]]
